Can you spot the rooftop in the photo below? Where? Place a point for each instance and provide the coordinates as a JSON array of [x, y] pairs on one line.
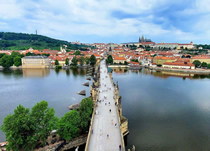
[[35, 57]]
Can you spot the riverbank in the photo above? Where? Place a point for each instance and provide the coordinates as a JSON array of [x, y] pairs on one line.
[[118, 66], [199, 71], [52, 67]]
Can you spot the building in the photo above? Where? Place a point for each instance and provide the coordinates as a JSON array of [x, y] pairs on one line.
[[142, 39], [99, 45], [148, 44], [162, 60], [178, 65], [119, 60], [201, 59], [166, 45], [174, 45], [130, 44], [35, 62], [118, 49], [186, 46]]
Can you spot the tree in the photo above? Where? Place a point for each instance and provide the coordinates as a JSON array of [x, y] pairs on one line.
[[14, 54], [197, 63], [46, 54], [44, 120], [134, 60], [92, 60], [204, 65], [19, 130], [6, 61], [125, 63], [68, 125], [208, 66], [109, 59], [56, 62], [30, 54], [17, 61], [87, 60], [183, 56], [85, 111], [81, 60], [1, 55], [77, 52], [74, 61], [67, 61]]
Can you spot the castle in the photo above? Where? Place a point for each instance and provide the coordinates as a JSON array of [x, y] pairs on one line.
[[142, 39]]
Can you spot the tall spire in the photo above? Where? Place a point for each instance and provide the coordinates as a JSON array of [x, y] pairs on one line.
[[142, 38]]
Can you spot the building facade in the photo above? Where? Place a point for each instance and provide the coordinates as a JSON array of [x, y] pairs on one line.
[[161, 60], [179, 65], [35, 62], [119, 60], [201, 59]]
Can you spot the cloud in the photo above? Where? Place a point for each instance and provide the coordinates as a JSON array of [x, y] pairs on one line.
[[9, 9], [110, 20]]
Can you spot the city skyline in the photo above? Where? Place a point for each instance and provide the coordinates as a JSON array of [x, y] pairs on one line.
[[109, 21]]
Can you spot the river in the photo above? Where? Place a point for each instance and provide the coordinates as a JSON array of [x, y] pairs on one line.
[[29, 86], [166, 111]]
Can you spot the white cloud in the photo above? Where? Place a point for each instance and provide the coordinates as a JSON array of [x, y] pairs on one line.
[[71, 18], [9, 9]]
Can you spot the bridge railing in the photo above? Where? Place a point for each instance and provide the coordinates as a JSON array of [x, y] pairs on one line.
[[91, 126], [118, 116], [121, 134]]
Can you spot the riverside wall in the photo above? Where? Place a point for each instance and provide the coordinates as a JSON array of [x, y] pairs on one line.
[[198, 71]]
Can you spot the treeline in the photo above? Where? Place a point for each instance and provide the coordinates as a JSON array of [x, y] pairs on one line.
[[203, 46], [199, 64], [26, 128], [14, 59], [9, 60], [21, 41]]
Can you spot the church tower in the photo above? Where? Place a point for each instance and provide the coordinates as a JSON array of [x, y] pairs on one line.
[[142, 38]]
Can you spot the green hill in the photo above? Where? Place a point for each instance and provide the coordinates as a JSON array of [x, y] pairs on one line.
[[21, 41]]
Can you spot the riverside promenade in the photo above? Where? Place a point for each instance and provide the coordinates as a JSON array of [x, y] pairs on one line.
[[106, 132]]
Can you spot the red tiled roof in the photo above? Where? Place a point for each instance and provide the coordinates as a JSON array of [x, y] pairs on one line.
[[134, 63], [164, 58], [201, 57], [147, 43], [167, 44], [119, 58]]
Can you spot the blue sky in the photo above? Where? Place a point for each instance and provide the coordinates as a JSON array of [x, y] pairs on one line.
[[117, 21]]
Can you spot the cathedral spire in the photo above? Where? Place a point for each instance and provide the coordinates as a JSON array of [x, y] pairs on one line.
[[142, 38]]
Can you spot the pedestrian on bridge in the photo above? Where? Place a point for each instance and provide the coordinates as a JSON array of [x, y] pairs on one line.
[[120, 147]]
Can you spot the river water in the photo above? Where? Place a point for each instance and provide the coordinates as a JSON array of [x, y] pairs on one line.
[[166, 111], [29, 86]]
